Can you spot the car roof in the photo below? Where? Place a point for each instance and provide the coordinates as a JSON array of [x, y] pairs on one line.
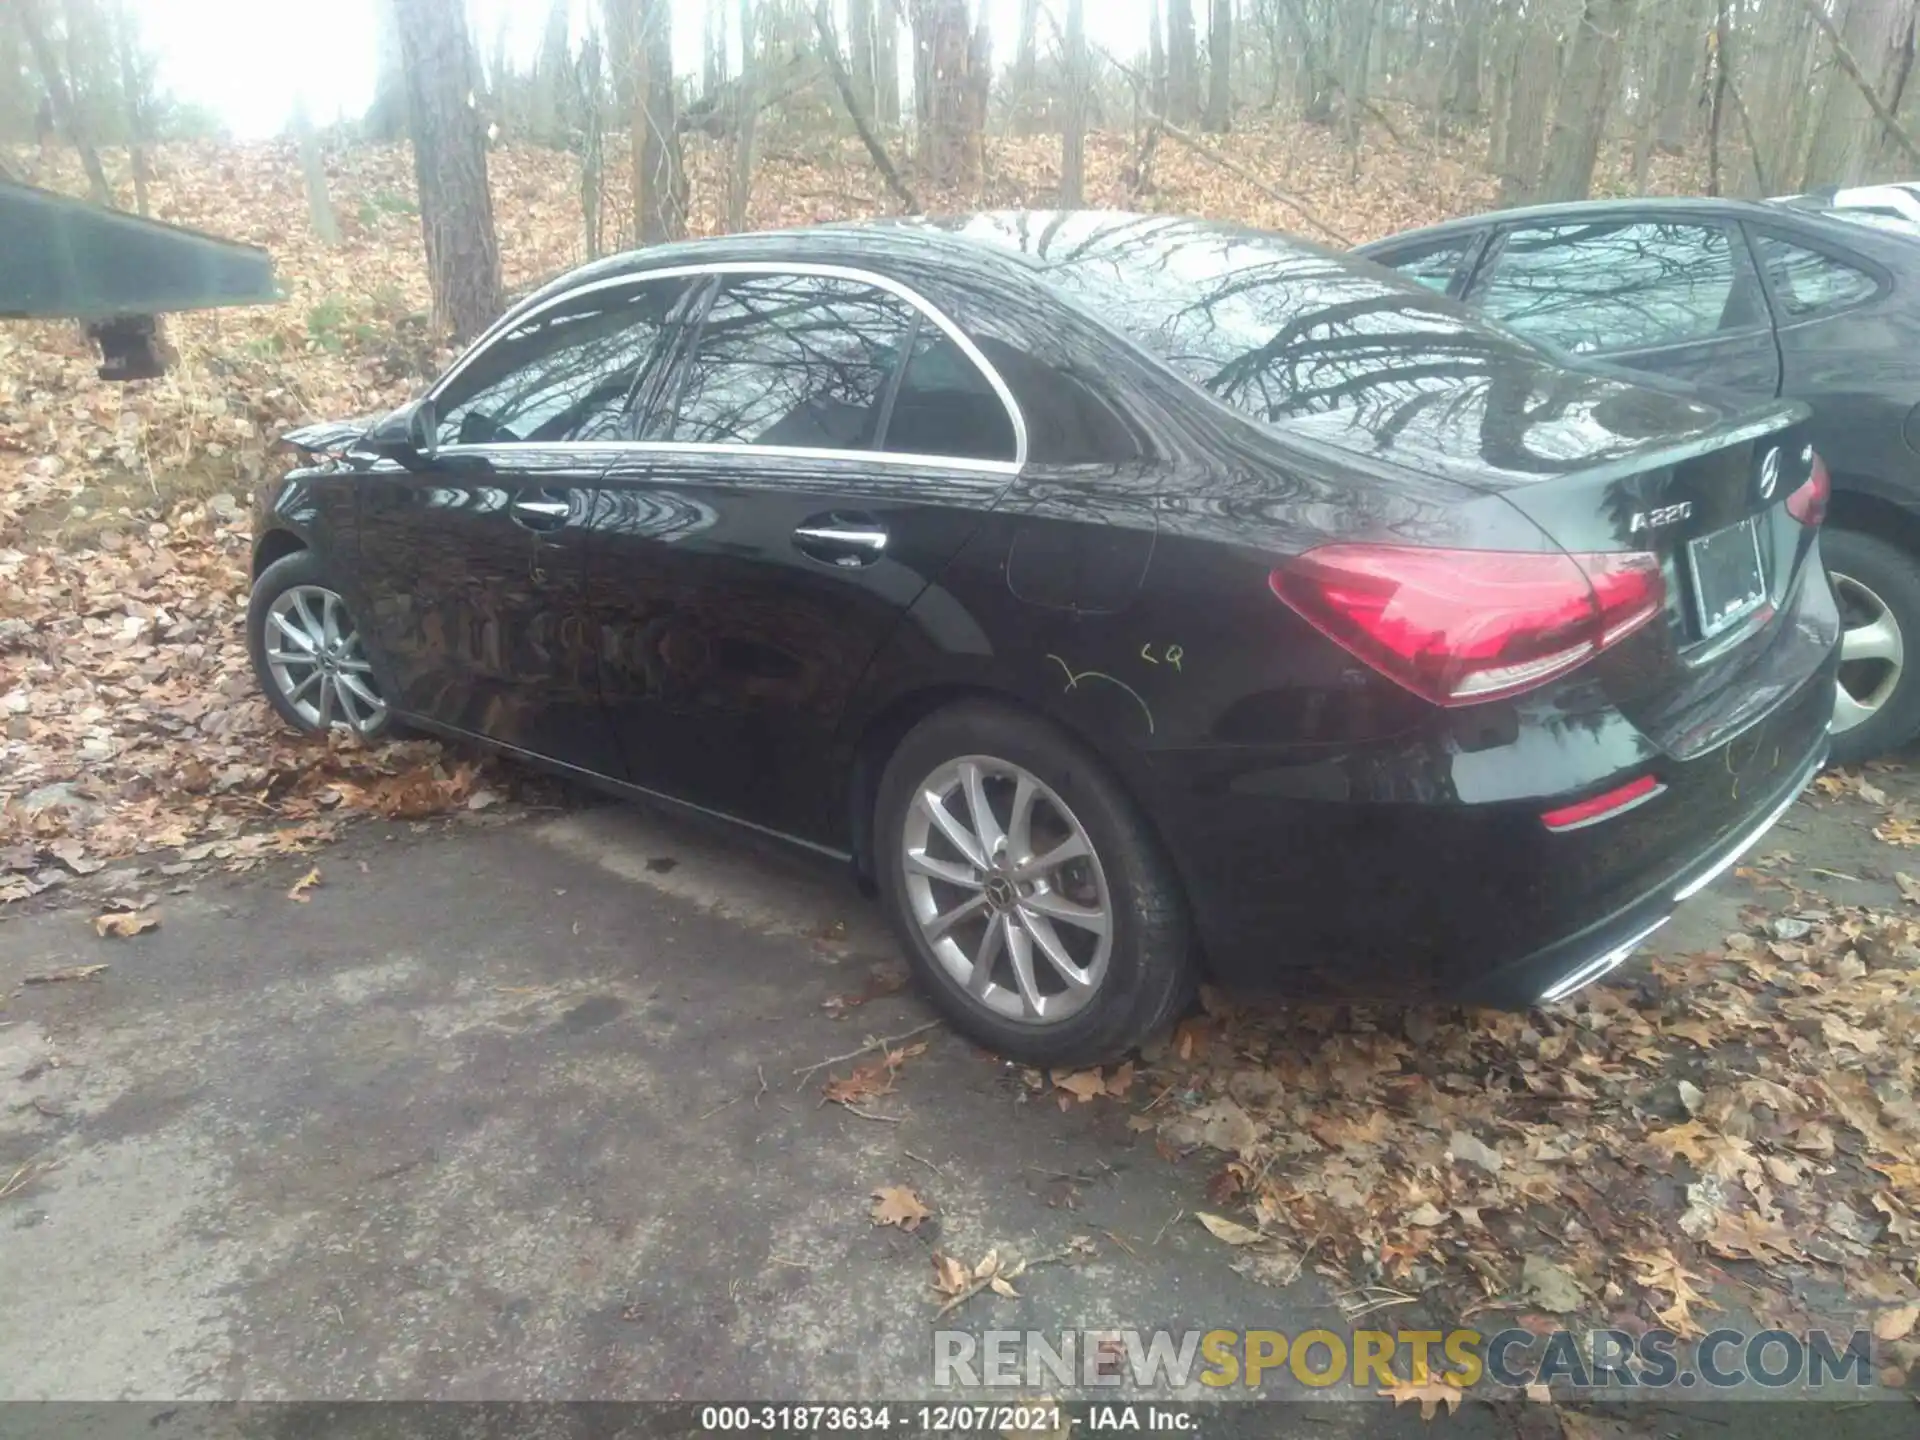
[[1624, 209], [1000, 244]]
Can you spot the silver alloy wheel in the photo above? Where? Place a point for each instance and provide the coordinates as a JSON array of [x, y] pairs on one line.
[[316, 660], [1872, 653], [1007, 890]]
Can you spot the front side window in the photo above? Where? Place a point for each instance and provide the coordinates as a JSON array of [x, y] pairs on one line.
[[1807, 282], [796, 360], [1602, 287], [570, 373]]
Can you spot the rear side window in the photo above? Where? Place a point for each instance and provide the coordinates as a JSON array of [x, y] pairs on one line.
[[1596, 288], [800, 360], [1807, 282], [1432, 265], [570, 373], [946, 407]]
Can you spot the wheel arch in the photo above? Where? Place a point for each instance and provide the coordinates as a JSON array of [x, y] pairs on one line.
[[888, 726], [274, 546], [1870, 513]]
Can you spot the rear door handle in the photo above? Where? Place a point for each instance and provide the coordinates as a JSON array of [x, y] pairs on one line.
[[542, 514], [844, 541]]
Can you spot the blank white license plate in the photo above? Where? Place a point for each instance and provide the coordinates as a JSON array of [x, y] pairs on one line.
[[1729, 582]]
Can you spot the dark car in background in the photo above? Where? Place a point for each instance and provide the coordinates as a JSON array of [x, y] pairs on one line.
[[1121, 595], [1790, 298]]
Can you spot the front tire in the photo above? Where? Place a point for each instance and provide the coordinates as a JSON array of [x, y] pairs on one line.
[[1032, 900], [1877, 587], [307, 652]]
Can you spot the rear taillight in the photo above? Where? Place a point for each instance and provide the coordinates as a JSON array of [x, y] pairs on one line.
[[1808, 504], [1462, 626]]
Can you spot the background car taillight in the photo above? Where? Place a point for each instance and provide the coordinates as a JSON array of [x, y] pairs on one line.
[[1462, 626], [1808, 504]]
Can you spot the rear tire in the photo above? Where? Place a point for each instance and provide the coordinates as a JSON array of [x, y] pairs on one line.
[[1047, 960], [1877, 586]]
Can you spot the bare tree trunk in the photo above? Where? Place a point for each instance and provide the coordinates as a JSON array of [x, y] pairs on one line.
[[1461, 98], [1156, 60], [659, 182], [1841, 157], [591, 98], [314, 175], [740, 191], [1073, 143], [942, 62], [134, 95], [830, 50], [1586, 99], [1681, 44], [1530, 94], [1506, 58], [65, 113], [1183, 80], [1025, 97], [860, 50], [622, 20], [1219, 118], [450, 166], [713, 49], [886, 65], [1845, 141]]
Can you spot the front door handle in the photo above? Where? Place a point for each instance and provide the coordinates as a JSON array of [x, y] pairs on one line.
[[843, 542], [541, 514]]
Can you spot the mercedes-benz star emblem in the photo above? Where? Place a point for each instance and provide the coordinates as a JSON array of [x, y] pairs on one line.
[[1770, 473]]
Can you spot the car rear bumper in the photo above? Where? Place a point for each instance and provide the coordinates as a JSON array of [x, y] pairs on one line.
[[1423, 871], [1559, 969]]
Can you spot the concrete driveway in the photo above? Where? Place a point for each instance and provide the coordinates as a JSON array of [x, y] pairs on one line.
[[508, 1109]]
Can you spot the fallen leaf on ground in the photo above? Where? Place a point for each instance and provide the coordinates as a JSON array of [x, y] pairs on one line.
[[898, 1205], [303, 887], [1896, 1324], [876, 1077], [1662, 1271], [1083, 1085], [125, 924], [950, 1276], [1223, 1229], [72, 972], [1431, 1395], [1552, 1287]]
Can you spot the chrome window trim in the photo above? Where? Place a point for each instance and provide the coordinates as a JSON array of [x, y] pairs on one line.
[[513, 321]]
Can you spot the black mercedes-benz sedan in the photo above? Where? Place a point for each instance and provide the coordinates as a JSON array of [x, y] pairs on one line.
[[1127, 598], [1805, 298]]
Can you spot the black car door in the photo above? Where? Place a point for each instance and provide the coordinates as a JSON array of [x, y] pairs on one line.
[[821, 449], [1674, 297], [474, 563]]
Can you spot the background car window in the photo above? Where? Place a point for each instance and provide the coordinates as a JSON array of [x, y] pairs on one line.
[[1433, 266], [946, 407], [790, 360], [1595, 288], [1805, 281], [568, 375]]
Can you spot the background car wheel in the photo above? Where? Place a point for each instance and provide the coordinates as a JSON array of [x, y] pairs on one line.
[[307, 651], [1878, 590], [1031, 898]]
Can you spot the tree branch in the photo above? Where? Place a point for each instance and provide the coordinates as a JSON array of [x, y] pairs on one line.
[[1895, 129], [843, 82]]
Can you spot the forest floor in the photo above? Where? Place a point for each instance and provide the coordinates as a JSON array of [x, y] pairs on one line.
[[1731, 1127]]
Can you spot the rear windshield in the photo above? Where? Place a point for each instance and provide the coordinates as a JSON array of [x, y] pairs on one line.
[[1270, 326]]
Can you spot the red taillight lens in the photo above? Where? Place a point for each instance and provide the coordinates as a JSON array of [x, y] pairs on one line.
[[1462, 626], [1808, 504]]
